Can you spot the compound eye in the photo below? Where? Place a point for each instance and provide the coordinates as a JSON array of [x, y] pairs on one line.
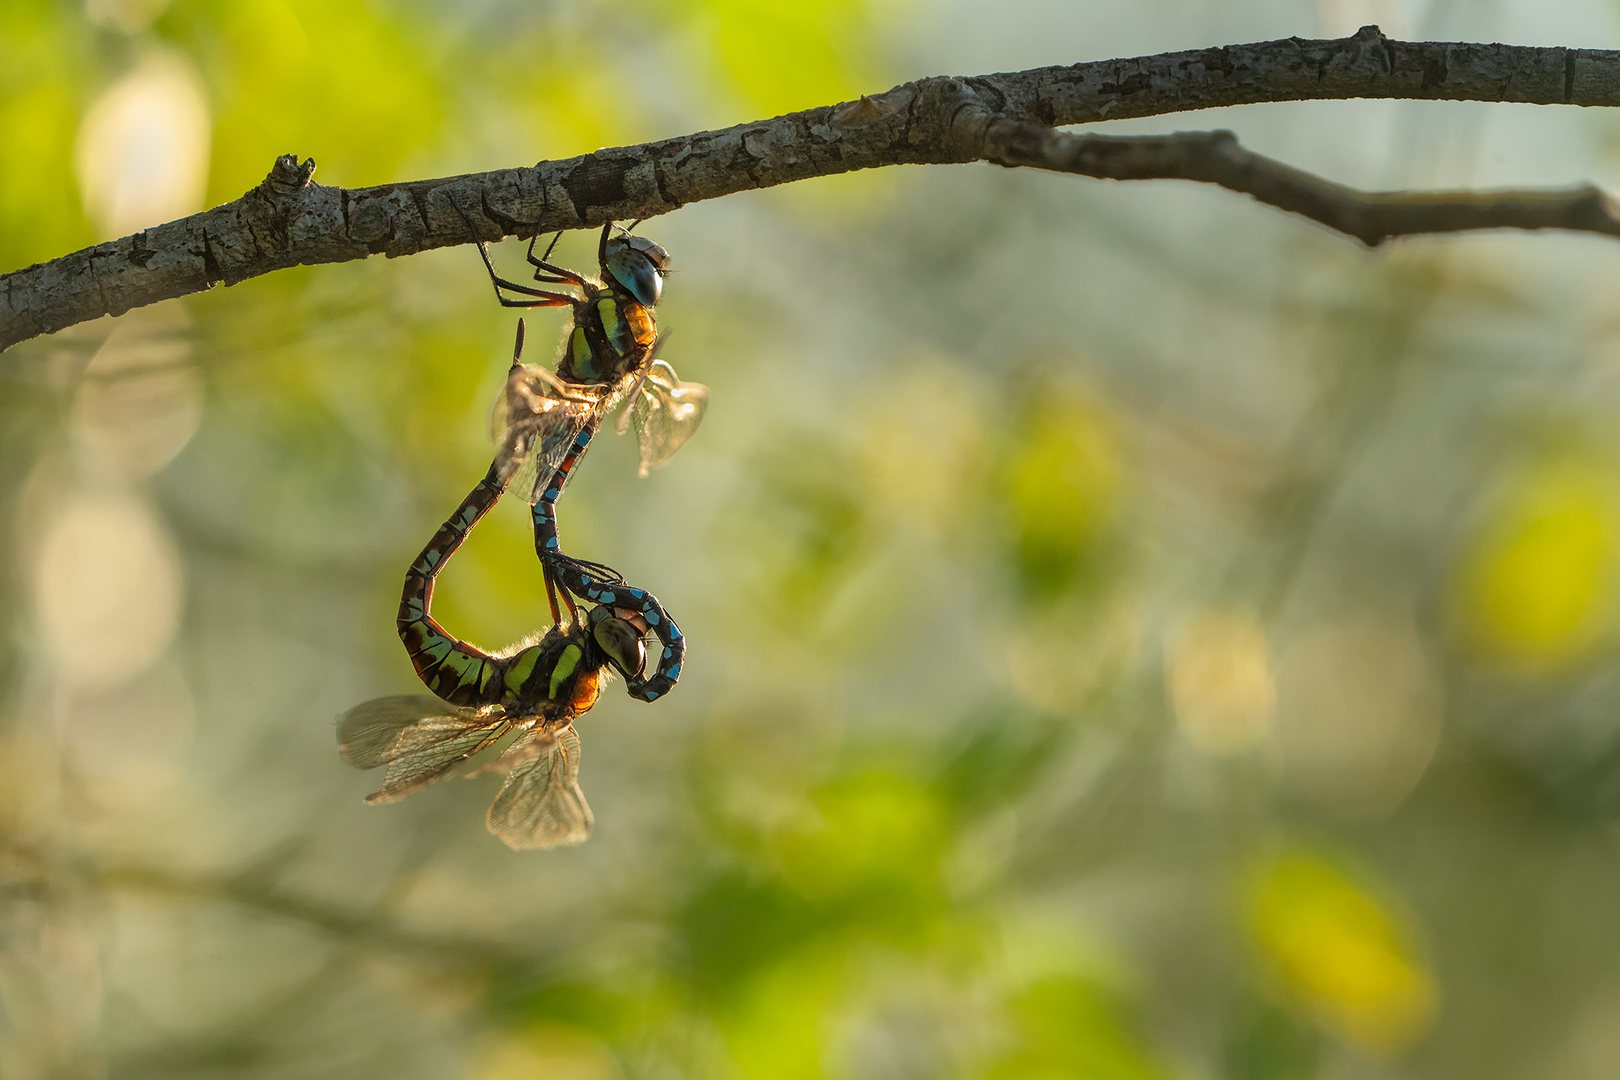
[[638, 274], [622, 644]]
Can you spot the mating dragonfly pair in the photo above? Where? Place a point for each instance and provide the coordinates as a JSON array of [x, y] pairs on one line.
[[536, 689]]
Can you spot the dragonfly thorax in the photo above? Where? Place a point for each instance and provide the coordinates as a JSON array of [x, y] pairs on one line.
[[559, 675], [565, 667], [611, 337]]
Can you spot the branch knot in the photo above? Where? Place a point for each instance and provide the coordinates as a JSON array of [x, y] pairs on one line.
[[287, 177]]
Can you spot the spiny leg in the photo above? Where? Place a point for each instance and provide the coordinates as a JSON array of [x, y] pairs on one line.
[[548, 271], [543, 298], [551, 599]]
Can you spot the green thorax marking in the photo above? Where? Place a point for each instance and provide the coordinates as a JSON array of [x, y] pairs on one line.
[[522, 667], [609, 333], [613, 328], [582, 357], [563, 668]]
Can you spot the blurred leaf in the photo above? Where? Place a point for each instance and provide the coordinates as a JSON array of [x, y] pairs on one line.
[[1064, 481], [818, 524], [1538, 589], [999, 762], [1067, 1026], [872, 843], [607, 1012], [1267, 1043], [736, 924], [1342, 954], [781, 1025]]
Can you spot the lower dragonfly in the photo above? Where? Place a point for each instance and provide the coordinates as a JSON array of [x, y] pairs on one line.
[[535, 689]]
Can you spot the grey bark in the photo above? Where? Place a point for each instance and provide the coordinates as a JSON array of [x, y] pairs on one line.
[[1005, 118]]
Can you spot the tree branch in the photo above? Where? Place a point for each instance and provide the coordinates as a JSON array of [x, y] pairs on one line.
[[287, 220], [1215, 157]]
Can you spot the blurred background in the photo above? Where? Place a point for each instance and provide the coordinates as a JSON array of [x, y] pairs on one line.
[[1134, 634]]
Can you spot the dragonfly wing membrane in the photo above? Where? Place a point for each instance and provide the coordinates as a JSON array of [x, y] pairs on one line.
[[665, 413], [541, 805], [426, 752], [369, 732], [534, 423]]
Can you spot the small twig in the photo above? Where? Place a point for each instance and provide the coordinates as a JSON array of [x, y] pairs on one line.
[[1215, 157], [287, 220]]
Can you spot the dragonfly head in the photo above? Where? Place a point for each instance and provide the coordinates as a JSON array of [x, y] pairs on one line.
[[636, 264], [620, 641]]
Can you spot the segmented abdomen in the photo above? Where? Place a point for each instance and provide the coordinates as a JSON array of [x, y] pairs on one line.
[[596, 586], [460, 673]]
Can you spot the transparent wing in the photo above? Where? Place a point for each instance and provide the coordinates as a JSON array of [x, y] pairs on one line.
[[419, 738], [540, 805], [535, 420], [368, 732], [431, 749], [665, 413]]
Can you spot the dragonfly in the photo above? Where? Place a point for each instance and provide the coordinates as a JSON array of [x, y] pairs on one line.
[[609, 355], [535, 690], [567, 577]]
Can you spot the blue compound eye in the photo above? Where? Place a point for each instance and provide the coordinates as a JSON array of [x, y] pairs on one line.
[[637, 264], [622, 644]]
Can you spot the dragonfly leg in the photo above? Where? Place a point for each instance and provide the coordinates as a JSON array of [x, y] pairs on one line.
[[542, 298], [551, 599], [553, 589], [460, 673], [548, 271], [545, 255]]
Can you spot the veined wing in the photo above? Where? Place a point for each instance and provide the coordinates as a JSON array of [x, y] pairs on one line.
[[665, 413], [419, 738], [540, 805], [535, 421]]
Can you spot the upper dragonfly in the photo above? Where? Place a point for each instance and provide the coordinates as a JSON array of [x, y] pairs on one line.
[[610, 354]]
